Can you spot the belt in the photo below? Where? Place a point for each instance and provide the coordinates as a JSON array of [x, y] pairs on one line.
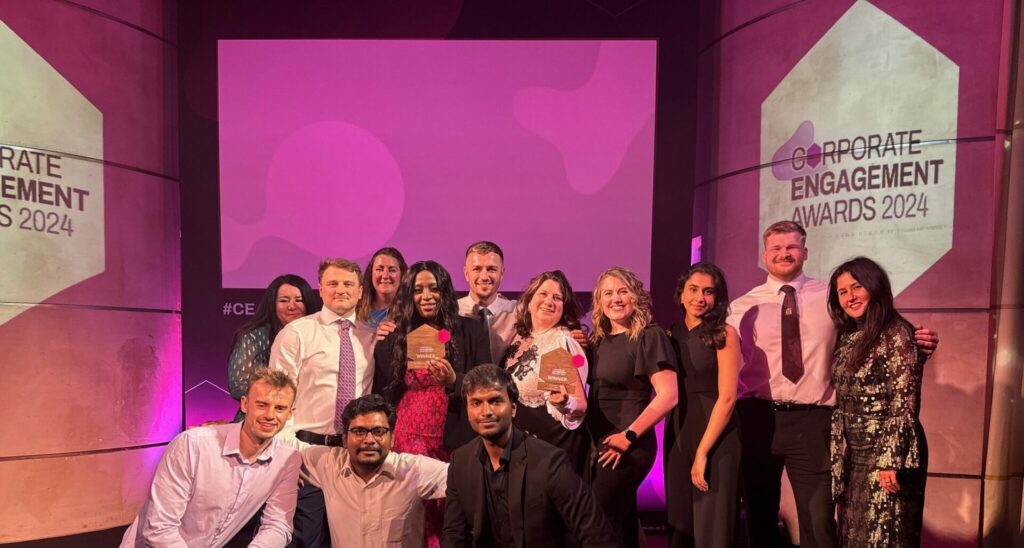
[[330, 440], [779, 405]]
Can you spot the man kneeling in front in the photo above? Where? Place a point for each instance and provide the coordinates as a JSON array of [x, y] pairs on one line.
[[212, 479], [374, 496], [509, 489]]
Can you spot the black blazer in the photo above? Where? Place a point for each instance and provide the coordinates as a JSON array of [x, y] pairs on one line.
[[473, 350], [546, 499]]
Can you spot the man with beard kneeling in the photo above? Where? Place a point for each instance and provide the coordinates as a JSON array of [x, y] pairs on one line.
[[509, 489], [374, 497]]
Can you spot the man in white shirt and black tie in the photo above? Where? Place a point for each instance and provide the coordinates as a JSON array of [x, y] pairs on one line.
[[484, 269]]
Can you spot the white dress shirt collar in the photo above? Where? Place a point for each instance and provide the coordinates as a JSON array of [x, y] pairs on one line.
[[232, 445], [327, 316], [797, 283], [388, 469]]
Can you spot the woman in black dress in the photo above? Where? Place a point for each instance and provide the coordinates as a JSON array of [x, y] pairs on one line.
[[547, 313], [633, 359], [879, 452], [702, 442]]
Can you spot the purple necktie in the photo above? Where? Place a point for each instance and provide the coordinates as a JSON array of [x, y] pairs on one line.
[[792, 356], [346, 373]]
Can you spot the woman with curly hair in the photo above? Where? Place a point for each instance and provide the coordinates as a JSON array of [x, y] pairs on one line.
[[431, 412], [632, 359], [547, 314], [702, 438]]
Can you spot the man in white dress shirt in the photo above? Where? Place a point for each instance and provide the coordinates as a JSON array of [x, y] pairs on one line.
[[330, 356], [484, 269], [485, 266], [212, 479], [374, 496]]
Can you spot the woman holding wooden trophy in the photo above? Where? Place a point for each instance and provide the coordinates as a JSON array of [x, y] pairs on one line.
[[419, 369], [549, 367]]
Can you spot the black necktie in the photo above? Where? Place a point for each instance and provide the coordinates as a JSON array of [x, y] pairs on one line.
[[792, 355], [485, 323]]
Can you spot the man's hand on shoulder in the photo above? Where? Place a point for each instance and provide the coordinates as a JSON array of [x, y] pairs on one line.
[[926, 339]]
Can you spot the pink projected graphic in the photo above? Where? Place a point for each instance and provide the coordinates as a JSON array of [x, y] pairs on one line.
[[339, 147]]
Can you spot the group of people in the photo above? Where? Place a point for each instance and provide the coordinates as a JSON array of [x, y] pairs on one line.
[[477, 447]]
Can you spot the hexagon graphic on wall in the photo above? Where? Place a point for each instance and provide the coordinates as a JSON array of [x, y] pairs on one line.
[[51, 180], [857, 135]]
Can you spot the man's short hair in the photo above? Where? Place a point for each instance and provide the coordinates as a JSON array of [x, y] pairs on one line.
[[785, 227], [484, 247], [370, 403], [490, 376], [274, 377], [338, 262]]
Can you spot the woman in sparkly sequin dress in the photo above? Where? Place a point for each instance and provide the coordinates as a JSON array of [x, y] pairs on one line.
[[879, 453]]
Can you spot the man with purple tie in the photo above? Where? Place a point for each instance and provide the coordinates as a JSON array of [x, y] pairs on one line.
[[330, 356]]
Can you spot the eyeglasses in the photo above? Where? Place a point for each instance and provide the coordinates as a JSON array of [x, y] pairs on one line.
[[360, 433]]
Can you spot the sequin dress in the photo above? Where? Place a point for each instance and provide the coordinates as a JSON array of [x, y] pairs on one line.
[[875, 427]]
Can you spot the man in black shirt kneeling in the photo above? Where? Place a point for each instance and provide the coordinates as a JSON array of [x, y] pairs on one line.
[[507, 489]]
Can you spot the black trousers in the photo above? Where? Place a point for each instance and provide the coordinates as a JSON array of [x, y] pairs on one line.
[[797, 440], [310, 518]]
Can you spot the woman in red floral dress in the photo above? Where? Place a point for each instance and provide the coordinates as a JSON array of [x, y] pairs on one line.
[[431, 412]]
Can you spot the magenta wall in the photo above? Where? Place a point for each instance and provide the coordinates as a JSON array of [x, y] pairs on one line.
[[954, 295], [90, 322]]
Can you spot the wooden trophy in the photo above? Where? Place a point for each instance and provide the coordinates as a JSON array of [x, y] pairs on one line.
[[422, 345], [557, 370]]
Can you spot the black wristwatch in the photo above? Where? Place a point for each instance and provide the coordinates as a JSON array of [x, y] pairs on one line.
[[630, 435]]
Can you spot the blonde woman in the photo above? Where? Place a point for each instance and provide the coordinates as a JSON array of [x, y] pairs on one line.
[[633, 386]]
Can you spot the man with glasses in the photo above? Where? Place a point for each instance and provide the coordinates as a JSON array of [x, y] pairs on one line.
[[374, 496]]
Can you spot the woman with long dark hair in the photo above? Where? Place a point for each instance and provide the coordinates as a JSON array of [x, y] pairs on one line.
[[546, 315], [702, 441], [381, 278], [288, 297], [633, 358], [431, 414], [879, 452]]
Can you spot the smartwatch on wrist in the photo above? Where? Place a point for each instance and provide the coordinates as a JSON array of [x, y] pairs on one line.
[[630, 435]]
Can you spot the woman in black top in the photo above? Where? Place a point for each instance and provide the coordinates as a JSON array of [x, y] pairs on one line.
[[428, 400], [632, 359], [431, 410], [547, 314], [702, 443]]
